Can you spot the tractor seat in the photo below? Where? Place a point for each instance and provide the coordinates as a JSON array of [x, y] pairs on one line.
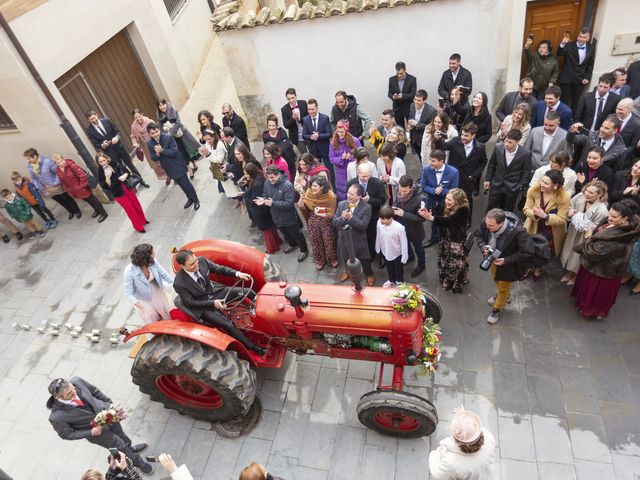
[[181, 306]]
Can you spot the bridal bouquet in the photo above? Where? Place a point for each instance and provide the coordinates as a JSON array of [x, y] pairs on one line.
[[110, 416]]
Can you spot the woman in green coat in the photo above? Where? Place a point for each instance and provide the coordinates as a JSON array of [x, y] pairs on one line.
[[543, 67]]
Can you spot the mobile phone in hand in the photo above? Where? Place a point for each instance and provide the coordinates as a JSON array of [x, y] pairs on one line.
[[115, 454]]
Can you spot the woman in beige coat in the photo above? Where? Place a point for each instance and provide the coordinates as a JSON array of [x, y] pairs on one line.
[[547, 211], [588, 209]]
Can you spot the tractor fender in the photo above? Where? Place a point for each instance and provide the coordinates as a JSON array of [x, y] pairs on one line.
[[202, 334]]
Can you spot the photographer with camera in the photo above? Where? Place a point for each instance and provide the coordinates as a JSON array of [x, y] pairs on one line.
[[507, 248]]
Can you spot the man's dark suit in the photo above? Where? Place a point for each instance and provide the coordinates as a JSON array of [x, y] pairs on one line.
[[447, 83], [587, 109], [566, 115], [290, 123], [117, 152], [428, 114], [507, 181], [198, 299], [469, 167], [239, 127], [319, 148], [377, 192], [614, 156], [573, 72], [509, 102], [72, 422], [630, 134], [401, 107], [173, 163]]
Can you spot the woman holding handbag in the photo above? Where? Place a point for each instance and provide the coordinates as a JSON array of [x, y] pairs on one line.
[[75, 182], [169, 121], [214, 150], [112, 176], [139, 138]]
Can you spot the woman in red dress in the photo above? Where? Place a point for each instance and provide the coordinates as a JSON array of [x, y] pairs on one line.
[[112, 176], [604, 256]]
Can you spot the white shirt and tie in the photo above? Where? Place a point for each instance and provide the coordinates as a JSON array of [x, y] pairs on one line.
[[582, 52], [100, 128], [546, 140], [600, 101], [623, 121], [606, 143], [468, 148]]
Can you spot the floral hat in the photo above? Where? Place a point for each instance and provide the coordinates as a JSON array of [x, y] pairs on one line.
[[465, 426]]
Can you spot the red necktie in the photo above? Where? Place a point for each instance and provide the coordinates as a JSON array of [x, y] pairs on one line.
[[78, 402]]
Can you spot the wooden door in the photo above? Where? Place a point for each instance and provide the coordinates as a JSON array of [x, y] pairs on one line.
[[112, 82], [549, 20]]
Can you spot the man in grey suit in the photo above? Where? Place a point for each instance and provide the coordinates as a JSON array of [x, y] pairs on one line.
[[511, 99], [546, 140]]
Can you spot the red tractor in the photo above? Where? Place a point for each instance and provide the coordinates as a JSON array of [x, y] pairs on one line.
[[202, 372]]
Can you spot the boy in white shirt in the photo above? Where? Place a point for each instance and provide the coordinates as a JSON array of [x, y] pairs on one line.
[[391, 241]]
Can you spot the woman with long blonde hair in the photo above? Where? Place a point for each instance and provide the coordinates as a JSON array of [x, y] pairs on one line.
[[453, 261]]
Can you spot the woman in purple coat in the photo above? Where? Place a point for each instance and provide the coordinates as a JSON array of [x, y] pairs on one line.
[[341, 152]]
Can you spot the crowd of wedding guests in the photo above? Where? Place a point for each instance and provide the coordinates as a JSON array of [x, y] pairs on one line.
[[568, 169]]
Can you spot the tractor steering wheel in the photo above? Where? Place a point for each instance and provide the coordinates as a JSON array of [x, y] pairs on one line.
[[244, 293]]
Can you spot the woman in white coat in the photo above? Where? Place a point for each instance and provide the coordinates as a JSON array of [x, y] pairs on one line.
[[147, 284], [390, 169], [467, 454]]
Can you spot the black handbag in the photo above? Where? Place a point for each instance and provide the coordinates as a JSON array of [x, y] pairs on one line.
[[92, 181], [132, 181]]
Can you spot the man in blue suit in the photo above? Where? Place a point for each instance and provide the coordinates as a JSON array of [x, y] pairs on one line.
[[316, 131], [436, 181], [552, 102], [164, 149]]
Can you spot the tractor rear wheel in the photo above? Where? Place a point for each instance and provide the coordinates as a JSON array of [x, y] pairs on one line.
[[194, 379], [432, 307], [399, 414]]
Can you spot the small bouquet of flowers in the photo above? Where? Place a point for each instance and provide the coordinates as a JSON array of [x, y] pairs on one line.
[[110, 416], [430, 352], [407, 298]]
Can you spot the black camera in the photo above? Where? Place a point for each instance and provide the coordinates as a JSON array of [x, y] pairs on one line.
[[488, 260], [440, 134], [464, 89]]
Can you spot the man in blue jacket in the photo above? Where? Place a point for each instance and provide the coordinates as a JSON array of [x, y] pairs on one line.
[[436, 181], [164, 149]]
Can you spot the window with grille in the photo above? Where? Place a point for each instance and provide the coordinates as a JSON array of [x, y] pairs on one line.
[[5, 121], [173, 7]]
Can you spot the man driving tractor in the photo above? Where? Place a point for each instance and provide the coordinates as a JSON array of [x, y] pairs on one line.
[[204, 298]]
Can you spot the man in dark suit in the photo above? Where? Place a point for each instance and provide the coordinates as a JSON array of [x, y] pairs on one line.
[[523, 95], [375, 194], [633, 79], [606, 137], [468, 156], [203, 297], [233, 120], [292, 114], [105, 136], [620, 86], [629, 129], [402, 89], [595, 106], [508, 172], [578, 67], [355, 212], [421, 114], [316, 131], [228, 136], [74, 404], [436, 181], [163, 149], [455, 76], [552, 102]]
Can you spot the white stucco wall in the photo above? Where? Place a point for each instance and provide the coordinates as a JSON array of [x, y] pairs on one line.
[[357, 52], [60, 33], [614, 17]]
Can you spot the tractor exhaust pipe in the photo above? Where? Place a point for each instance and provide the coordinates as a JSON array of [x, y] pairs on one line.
[[354, 267]]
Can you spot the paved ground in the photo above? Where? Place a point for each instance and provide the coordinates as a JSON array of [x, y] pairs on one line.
[[561, 394]]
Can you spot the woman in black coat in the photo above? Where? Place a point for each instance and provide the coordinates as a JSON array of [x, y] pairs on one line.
[[479, 114], [453, 261], [594, 169], [626, 184], [259, 214], [112, 177], [277, 135]]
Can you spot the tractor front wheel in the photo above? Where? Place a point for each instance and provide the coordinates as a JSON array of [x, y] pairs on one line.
[[399, 414], [194, 379]]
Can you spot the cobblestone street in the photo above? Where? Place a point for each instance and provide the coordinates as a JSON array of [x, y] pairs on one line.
[[561, 394]]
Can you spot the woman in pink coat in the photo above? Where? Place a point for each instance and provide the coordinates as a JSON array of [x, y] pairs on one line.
[[273, 156], [341, 153]]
